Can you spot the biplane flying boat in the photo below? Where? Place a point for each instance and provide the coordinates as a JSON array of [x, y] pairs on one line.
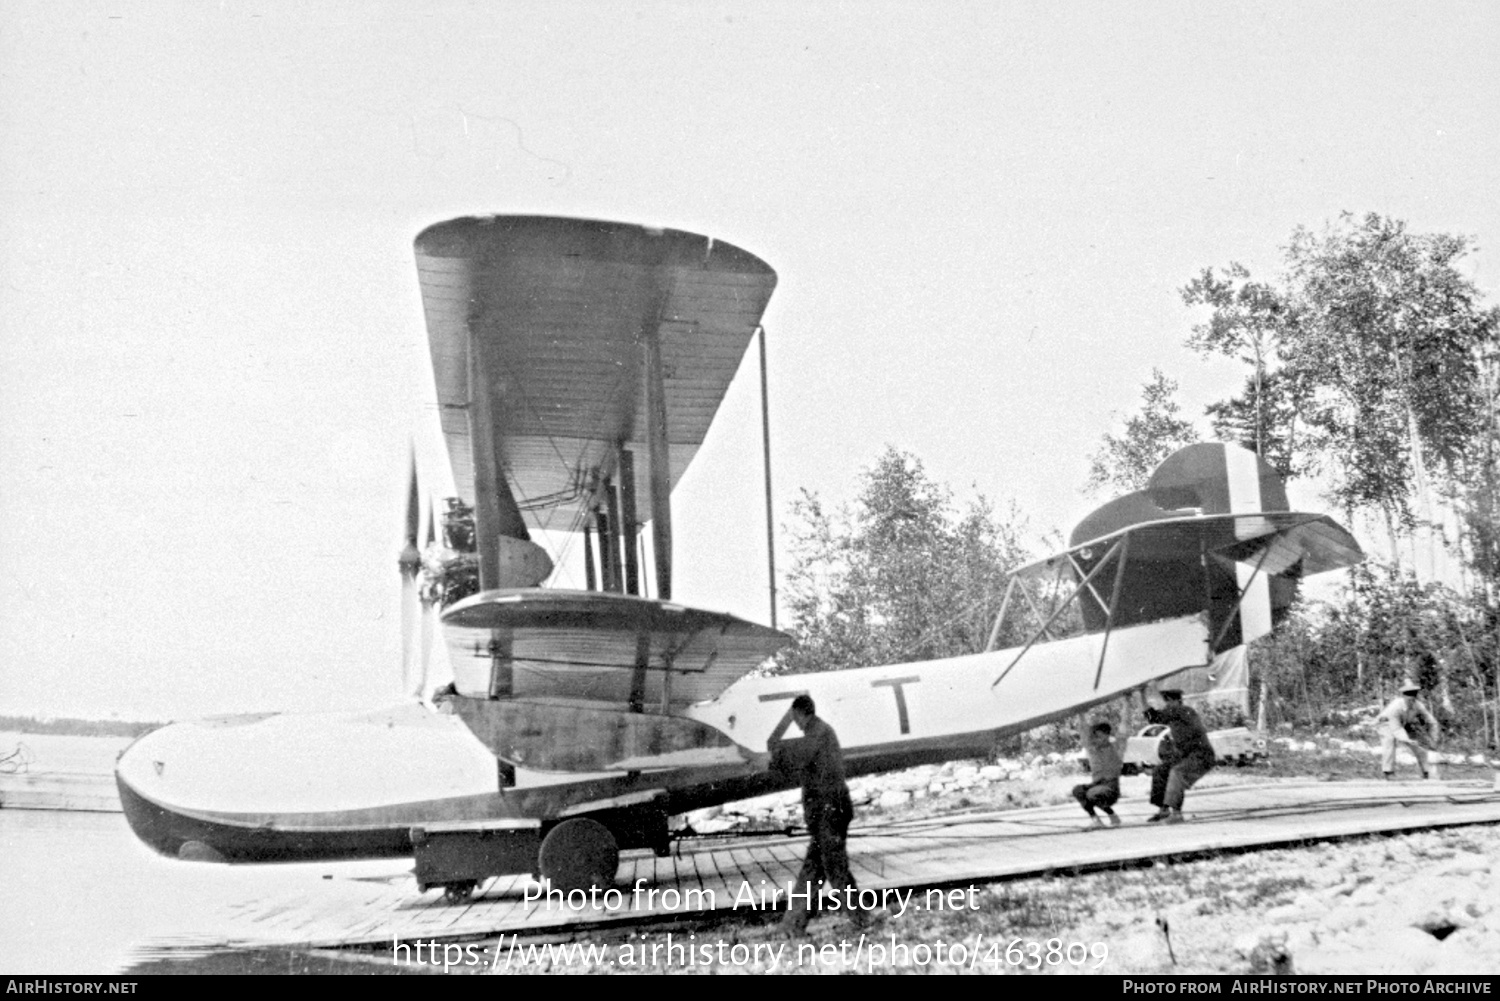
[[578, 366]]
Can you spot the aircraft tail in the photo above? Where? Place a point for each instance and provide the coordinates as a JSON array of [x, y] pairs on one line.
[[1211, 530]]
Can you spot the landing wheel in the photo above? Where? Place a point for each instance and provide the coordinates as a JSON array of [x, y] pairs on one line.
[[579, 853], [459, 893]]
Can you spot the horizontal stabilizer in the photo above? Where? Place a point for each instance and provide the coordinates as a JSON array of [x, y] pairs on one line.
[[1286, 542], [1279, 543], [1210, 533]]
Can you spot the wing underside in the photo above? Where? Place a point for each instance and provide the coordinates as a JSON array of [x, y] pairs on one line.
[[602, 648], [536, 326], [1278, 542]]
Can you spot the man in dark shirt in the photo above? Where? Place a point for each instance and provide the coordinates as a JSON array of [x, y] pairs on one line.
[[817, 762], [1186, 756], [1102, 790]]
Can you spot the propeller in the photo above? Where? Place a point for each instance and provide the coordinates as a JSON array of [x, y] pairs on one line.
[[410, 560], [429, 611], [413, 667]]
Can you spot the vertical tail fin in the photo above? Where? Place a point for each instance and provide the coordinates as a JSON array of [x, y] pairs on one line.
[[1208, 479], [1226, 479]]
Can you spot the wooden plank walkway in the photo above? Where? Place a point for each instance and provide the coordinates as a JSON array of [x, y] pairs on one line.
[[708, 876], [61, 791]]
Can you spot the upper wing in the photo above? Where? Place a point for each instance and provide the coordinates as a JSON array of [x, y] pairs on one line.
[[556, 311]]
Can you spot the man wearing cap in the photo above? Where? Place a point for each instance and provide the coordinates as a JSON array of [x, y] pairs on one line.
[[1189, 758], [1406, 721], [817, 762]]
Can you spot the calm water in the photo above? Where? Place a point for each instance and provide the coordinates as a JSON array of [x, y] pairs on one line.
[[79, 894]]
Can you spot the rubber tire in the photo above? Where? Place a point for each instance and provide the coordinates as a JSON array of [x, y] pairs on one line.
[[459, 893], [579, 853]]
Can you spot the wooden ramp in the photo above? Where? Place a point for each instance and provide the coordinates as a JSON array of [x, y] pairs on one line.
[[711, 877]]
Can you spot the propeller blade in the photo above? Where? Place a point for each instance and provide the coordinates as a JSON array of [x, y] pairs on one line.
[[424, 652], [410, 560], [410, 563]]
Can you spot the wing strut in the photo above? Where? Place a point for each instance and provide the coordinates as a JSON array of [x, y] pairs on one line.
[[1229, 619], [495, 510], [1109, 610], [618, 532], [1058, 611], [590, 581], [765, 437], [1031, 601], [629, 523], [1000, 619], [1092, 590], [638, 674], [659, 458]]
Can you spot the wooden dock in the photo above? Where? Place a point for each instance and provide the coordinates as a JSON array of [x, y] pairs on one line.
[[59, 772], [705, 878], [89, 793]]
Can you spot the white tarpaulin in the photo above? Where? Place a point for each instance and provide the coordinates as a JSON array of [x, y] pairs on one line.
[[1225, 681]]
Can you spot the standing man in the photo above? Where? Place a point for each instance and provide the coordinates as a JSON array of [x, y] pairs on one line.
[[1191, 758], [1406, 721], [817, 762]]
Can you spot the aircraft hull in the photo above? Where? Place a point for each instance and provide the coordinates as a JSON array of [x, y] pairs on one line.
[[354, 785], [301, 786], [179, 834], [953, 702]]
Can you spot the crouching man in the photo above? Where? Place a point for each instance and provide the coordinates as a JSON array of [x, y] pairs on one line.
[[1102, 790], [1191, 757]]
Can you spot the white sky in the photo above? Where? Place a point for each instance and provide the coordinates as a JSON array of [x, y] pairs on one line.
[[214, 355]]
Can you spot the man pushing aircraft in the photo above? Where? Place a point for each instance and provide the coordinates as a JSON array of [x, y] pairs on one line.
[[817, 762]]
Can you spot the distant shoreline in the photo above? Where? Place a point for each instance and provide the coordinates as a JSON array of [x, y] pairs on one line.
[[71, 727]]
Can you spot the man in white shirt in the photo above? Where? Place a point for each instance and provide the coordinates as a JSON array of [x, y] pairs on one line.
[[1406, 721]]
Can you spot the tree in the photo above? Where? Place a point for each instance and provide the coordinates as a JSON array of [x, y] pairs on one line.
[[1389, 334], [1262, 419], [1248, 322], [1373, 362], [450, 572], [898, 575], [1474, 487], [1331, 657], [1125, 462]]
